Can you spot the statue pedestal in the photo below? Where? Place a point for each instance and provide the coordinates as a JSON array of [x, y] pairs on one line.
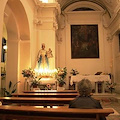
[[51, 81], [47, 80]]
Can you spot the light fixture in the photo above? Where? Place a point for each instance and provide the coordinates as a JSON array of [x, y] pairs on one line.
[[44, 1], [5, 47]]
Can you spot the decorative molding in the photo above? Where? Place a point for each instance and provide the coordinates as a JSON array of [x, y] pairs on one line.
[[82, 17], [103, 21], [61, 21], [41, 20], [5, 14], [55, 5], [37, 2], [109, 37], [117, 8], [38, 21], [109, 1], [55, 25], [59, 36], [83, 4], [114, 18], [115, 29]]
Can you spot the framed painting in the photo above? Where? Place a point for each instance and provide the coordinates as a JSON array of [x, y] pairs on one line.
[[84, 41]]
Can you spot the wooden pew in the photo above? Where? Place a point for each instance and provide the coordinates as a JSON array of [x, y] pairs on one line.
[[35, 101], [34, 113], [51, 95], [50, 91]]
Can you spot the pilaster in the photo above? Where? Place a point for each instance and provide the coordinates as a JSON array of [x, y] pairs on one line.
[[46, 25]]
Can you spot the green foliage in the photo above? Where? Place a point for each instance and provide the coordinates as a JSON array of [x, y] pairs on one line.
[[34, 81], [61, 81], [28, 72], [61, 75], [11, 89], [111, 86], [74, 72]]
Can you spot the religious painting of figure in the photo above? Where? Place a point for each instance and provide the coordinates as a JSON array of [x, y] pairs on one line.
[[84, 41]]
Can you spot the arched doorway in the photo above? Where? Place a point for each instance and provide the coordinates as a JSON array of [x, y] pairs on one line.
[[17, 27]]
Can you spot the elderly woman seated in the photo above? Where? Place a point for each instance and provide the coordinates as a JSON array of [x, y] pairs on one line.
[[84, 100]]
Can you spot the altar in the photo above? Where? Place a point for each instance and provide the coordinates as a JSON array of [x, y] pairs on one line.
[[93, 78], [42, 84]]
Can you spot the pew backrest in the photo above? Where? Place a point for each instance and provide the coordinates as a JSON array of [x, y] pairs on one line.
[[29, 101], [36, 113]]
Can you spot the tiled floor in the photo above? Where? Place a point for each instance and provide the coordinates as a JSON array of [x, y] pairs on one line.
[[112, 102]]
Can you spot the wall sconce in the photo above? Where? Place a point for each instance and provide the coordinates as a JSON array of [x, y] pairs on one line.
[[5, 47]]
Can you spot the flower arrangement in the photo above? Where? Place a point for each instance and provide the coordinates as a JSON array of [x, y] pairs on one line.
[[48, 87], [61, 75], [34, 82], [28, 73], [111, 86], [74, 72], [30, 77]]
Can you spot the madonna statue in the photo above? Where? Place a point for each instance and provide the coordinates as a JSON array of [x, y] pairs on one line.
[[43, 56]]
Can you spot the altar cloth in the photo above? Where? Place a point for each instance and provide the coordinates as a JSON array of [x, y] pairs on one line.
[[92, 78]]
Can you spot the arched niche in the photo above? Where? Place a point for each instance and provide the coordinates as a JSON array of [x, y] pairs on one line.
[[17, 18], [71, 17], [81, 4], [17, 26]]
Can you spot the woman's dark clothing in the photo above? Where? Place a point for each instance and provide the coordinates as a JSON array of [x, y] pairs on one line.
[[86, 103]]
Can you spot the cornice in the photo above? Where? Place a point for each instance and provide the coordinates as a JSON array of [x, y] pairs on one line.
[[55, 5]]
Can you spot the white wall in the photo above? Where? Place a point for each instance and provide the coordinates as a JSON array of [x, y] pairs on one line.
[[87, 65], [92, 65], [116, 60], [24, 61], [16, 60]]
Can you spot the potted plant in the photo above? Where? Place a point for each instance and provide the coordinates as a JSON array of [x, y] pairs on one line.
[[74, 72], [11, 89], [28, 73], [34, 82], [111, 86], [61, 75]]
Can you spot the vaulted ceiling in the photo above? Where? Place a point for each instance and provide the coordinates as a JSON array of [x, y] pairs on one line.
[[108, 5]]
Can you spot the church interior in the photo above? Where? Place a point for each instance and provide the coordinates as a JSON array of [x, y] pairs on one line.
[[48, 46]]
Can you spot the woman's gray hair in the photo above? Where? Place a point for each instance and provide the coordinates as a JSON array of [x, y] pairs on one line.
[[84, 87]]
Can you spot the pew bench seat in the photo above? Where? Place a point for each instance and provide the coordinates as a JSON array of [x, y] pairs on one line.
[[28, 101], [35, 113]]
